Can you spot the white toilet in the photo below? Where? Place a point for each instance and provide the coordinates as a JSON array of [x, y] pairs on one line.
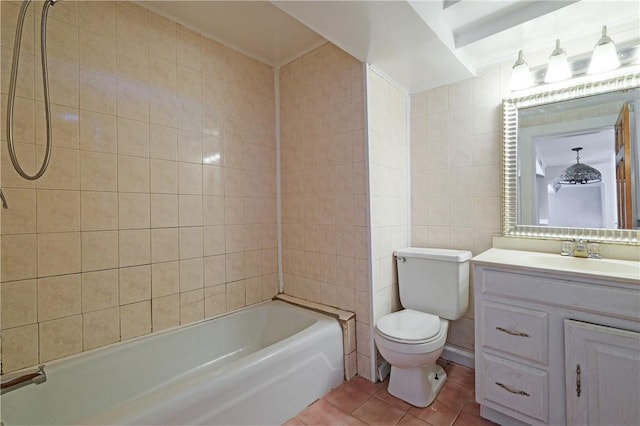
[[434, 288]]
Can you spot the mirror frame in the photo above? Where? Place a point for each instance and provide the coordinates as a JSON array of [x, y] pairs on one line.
[[573, 90]]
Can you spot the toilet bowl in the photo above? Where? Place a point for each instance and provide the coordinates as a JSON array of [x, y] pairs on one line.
[[434, 288], [411, 342]]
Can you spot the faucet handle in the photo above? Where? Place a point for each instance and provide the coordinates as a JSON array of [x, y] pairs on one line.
[[567, 248]]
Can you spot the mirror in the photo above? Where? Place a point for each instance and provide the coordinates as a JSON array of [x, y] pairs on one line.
[[571, 162]]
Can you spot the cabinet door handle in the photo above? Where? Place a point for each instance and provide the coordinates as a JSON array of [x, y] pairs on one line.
[[508, 389], [513, 333], [578, 381]]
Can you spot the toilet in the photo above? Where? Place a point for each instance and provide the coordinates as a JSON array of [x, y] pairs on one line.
[[434, 289]]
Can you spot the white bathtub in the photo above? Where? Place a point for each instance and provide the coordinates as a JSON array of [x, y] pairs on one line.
[[261, 365]]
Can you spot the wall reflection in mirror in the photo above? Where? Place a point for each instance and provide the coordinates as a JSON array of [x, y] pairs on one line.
[[578, 162]]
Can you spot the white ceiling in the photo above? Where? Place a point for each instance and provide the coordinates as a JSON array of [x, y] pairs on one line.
[[419, 44]]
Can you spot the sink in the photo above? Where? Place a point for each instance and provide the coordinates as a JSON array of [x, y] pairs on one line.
[[595, 266]]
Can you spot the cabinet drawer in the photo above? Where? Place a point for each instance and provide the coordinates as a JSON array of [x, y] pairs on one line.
[[515, 386], [515, 331]]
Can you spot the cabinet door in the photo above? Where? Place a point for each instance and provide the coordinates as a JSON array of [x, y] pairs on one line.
[[602, 375]]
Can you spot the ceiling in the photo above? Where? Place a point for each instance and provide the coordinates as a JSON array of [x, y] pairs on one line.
[[419, 44]]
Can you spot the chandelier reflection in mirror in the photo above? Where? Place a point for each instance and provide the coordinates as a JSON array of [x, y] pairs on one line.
[[579, 173]]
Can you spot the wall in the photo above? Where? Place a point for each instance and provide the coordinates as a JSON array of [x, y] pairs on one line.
[[388, 142], [455, 171], [324, 207], [159, 206]]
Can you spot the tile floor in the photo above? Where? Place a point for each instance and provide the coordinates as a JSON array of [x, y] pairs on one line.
[[360, 402]]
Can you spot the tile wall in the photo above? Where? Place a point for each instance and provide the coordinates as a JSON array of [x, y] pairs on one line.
[[455, 171], [159, 205], [388, 120], [324, 185]]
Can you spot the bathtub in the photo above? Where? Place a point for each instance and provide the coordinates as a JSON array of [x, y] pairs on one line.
[[260, 365]]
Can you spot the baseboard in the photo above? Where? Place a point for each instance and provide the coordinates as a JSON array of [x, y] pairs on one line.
[[459, 356]]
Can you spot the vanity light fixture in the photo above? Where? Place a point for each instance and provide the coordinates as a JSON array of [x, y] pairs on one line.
[[605, 56], [520, 74], [558, 68], [579, 172]]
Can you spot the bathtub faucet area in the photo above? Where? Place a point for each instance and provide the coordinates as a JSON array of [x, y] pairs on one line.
[[16, 381]]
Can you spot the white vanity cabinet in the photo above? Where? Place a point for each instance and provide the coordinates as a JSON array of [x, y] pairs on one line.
[[535, 325]]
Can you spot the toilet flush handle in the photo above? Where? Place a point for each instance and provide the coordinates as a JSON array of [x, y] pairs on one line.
[[402, 259]]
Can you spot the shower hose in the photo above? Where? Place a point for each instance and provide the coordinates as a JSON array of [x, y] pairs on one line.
[[12, 89]]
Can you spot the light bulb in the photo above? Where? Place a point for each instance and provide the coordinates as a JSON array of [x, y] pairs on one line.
[[558, 68], [520, 74], [605, 56]]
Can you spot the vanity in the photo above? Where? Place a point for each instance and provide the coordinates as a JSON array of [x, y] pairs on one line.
[[557, 339]]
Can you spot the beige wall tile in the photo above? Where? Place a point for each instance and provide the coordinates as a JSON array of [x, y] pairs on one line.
[[190, 210], [19, 303], [163, 142], [162, 38], [63, 84], [214, 270], [133, 137], [214, 210], [163, 107], [191, 306], [213, 180], [60, 338], [165, 279], [189, 146], [189, 178], [165, 312], [164, 210], [133, 174], [188, 48], [97, 52], [215, 300], [100, 328], [134, 211], [132, 63], [253, 288], [58, 253], [19, 257], [214, 240], [236, 295], [59, 297], [64, 167], [135, 319], [19, 347], [21, 217], [191, 242], [135, 284], [235, 266], [133, 100], [58, 211], [98, 17], [98, 211], [99, 290], [134, 247], [98, 132], [164, 176], [191, 274], [132, 25], [98, 171], [99, 250], [98, 92], [164, 244]]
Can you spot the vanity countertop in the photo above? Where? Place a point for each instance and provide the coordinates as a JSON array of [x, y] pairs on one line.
[[626, 271]]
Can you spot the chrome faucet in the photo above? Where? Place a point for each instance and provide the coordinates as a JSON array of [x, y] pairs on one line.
[[581, 248]]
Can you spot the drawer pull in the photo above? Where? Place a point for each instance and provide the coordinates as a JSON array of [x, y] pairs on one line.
[[578, 381], [508, 389], [513, 333]]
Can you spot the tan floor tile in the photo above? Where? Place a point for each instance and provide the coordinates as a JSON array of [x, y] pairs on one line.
[[347, 398], [409, 420], [465, 419], [440, 413], [384, 395], [377, 412], [352, 421], [364, 385], [460, 375], [322, 413]]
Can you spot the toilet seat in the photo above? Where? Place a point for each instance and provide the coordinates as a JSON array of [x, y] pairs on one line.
[[409, 327]]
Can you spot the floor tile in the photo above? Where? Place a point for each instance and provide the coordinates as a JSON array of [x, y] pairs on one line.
[[364, 385], [322, 413], [377, 412], [440, 413], [384, 395], [409, 420], [347, 398]]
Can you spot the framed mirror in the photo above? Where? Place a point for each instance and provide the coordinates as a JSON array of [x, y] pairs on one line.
[[571, 162]]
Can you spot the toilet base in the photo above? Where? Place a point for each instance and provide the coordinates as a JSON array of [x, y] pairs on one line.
[[416, 385]]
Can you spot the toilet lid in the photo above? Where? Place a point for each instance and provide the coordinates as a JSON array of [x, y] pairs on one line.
[[409, 325]]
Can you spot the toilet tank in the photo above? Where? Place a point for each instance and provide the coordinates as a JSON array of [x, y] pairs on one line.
[[435, 281]]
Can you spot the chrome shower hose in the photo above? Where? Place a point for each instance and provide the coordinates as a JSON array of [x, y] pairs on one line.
[[45, 82]]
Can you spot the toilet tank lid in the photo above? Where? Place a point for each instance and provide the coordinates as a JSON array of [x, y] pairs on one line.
[[434, 253]]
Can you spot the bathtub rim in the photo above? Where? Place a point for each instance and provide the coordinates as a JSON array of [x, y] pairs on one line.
[[54, 362]]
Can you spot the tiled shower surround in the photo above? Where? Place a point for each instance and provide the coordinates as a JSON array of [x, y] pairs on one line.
[[324, 184], [159, 205]]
